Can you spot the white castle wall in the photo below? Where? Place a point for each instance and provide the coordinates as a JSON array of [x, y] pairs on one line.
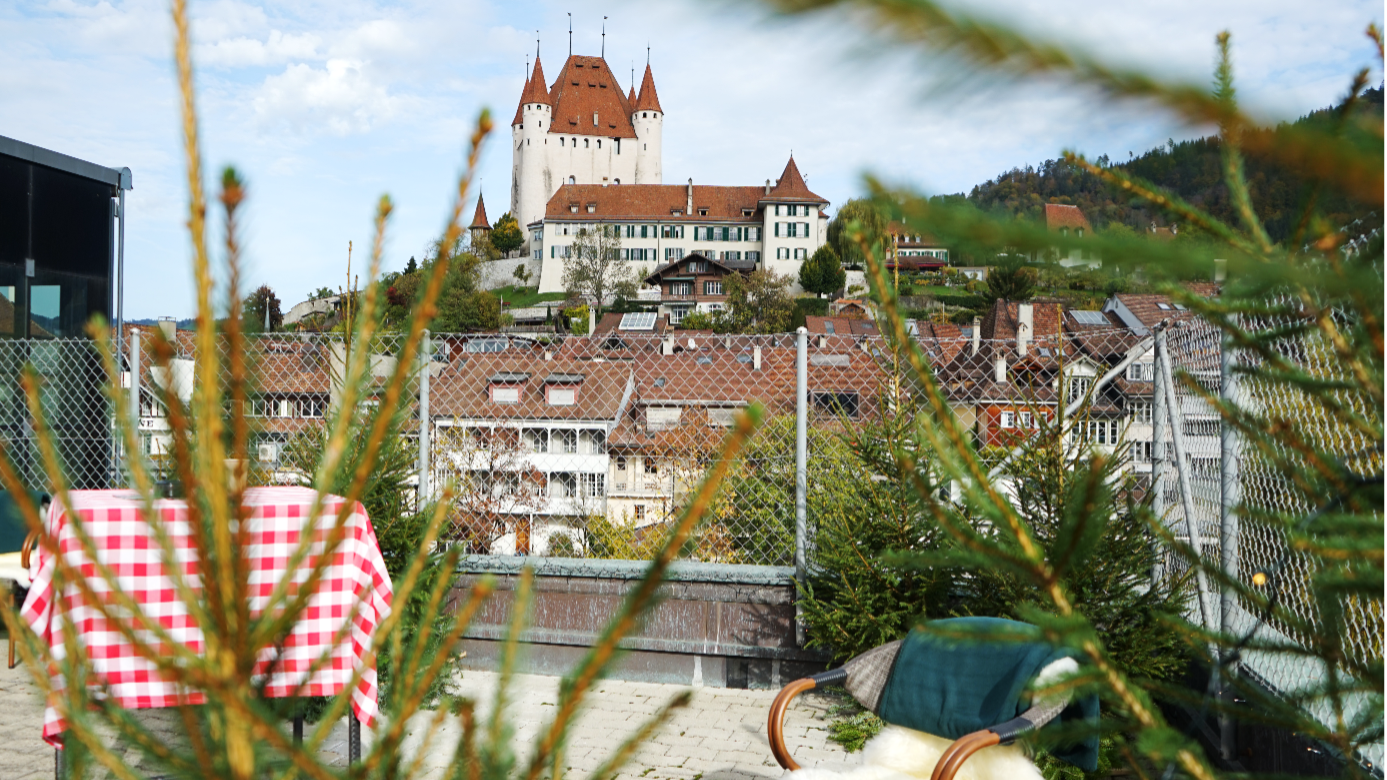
[[494, 274]]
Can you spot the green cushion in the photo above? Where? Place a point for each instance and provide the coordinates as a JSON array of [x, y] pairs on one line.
[[12, 526], [951, 687]]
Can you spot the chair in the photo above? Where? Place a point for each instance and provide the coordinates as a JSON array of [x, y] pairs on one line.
[[16, 546], [967, 680]]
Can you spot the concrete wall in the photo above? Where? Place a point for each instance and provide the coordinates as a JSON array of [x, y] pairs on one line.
[[719, 626]]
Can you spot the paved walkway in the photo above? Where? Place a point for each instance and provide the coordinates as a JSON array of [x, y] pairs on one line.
[[720, 736]]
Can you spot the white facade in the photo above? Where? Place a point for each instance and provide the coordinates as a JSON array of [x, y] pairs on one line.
[[772, 227]]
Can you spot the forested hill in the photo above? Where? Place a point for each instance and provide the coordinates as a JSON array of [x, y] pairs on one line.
[[1191, 169]]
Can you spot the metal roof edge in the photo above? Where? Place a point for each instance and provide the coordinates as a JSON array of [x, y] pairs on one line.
[[116, 177]]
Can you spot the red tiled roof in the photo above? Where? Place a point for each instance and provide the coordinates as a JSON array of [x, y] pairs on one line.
[[631, 96], [1147, 308], [791, 185], [1004, 316], [655, 200], [520, 105], [1059, 215], [648, 100], [842, 326], [905, 236], [463, 388], [535, 91], [586, 88], [479, 218]]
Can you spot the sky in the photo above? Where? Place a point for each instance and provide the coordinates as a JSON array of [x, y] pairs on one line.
[[325, 106]]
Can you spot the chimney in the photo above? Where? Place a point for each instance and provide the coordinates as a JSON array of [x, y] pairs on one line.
[[999, 367], [727, 342], [688, 210], [1025, 329], [548, 355], [756, 358], [169, 326], [592, 319], [692, 345], [977, 335], [823, 341], [667, 347]]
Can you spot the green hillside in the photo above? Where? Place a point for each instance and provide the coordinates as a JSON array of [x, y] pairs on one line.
[[1192, 170]]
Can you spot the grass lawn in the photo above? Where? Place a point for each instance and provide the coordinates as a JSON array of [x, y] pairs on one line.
[[518, 297]]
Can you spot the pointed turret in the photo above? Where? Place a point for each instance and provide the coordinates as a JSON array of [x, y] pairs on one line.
[[648, 100], [535, 90], [631, 98], [520, 107], [791, 184], [479, 220]]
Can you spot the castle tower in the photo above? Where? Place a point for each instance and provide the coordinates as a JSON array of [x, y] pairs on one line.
[[480, 225], [530, 184], [580, 130], [648, 119]]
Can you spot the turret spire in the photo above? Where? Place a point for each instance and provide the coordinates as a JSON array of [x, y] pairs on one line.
[[648, 100]]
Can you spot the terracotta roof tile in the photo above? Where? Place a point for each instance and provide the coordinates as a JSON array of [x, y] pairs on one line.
[[656, 201], [535, 91], [1151, 309], [479, 218], [463, 388], [648, 100], [791, 186], [586, 88], [1059, 215]]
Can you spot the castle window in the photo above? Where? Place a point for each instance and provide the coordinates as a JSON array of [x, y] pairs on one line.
[[644, 115], [572, 180], [616, 181], [594, 119], [599, 143], [561, 141], [585, 143], [541, 124], [618, 149]]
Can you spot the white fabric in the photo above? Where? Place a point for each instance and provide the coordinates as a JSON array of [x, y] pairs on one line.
[[903, 754]]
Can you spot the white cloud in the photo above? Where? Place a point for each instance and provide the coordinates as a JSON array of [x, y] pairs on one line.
[[277, 48], [341, 97]]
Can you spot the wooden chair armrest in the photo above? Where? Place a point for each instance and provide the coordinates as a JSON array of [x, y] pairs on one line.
[[775, 727], [29, 542]]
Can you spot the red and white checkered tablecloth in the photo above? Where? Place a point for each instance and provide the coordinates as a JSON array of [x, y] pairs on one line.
[[126, 544]]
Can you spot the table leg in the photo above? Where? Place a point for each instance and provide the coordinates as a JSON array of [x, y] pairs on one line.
[[298, 729], [59, 770], [353, 739]]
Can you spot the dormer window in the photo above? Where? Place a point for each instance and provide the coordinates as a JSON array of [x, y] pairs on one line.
[[592, 207], [573, 208], [1079, 232], [1064, 231], [562, 390], [748, 212], [703, 212], [677, 212], [507, 387]]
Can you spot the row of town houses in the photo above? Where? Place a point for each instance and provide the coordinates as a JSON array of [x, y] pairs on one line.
[[538, 435]]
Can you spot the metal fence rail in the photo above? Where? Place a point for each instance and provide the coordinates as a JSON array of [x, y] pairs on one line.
[[1237, 502]]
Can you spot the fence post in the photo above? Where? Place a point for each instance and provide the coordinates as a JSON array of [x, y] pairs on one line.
[[801, 469], [1158, 423], [425, 364], [1230, 494], [134, 362], [1177, 438]]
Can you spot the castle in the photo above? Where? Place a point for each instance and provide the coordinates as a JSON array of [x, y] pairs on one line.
[[582, 130], [585, 154]]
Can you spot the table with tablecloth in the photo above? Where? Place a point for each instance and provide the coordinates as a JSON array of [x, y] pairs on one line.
[[356, 586]]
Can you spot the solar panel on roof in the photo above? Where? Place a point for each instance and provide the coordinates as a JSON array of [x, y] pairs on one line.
[[638, 320], [1089, 317]]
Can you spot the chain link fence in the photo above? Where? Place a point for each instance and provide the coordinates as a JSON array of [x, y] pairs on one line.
[[1239, 501]]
